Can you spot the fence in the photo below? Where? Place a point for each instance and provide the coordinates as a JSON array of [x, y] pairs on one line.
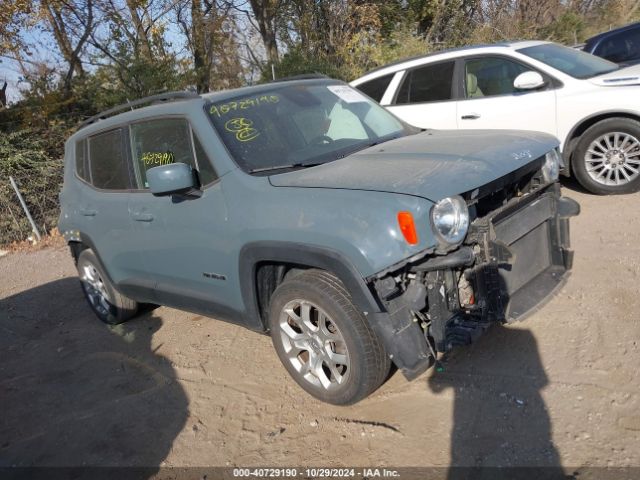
[[39, 186]]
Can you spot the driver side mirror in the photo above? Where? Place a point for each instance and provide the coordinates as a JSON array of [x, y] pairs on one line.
[[529, 81], [171, 178]]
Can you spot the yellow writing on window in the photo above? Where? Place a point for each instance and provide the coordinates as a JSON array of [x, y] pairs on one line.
[[155, 159], [243, 128], [223, 109]]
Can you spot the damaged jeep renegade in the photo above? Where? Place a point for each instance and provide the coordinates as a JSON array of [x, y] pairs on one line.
[[303, 209]]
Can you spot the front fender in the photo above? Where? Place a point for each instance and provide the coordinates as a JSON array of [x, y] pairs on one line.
[[302, 254]]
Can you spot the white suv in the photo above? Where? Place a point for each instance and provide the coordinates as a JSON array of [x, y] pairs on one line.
[[590, 104]]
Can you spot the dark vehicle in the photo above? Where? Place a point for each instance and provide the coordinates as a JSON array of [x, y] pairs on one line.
[[621, 45]]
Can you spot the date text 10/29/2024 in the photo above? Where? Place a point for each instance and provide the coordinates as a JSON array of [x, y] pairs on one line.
[[315, 472]]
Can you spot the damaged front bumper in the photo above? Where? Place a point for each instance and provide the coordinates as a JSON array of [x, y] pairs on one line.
[[512, 262]]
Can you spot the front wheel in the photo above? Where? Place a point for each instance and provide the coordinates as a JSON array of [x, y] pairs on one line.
[[324, 341], [107, 303], [607, 158]]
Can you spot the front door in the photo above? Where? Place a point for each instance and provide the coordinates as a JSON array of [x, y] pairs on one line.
[[492, 102], [180, 239]]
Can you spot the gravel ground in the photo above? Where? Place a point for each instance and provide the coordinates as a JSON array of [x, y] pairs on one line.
[[170, 388]]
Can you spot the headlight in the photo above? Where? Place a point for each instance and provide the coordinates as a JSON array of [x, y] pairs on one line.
[[551, 167], [450, 219]]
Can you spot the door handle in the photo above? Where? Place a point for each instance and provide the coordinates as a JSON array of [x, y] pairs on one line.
[[88, 212], [142, 217], [470, 116]]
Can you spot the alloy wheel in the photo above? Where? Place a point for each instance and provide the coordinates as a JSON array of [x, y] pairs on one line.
[[314, 345], [95, 288], [613, 159]]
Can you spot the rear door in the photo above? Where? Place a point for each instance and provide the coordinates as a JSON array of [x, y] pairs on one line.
[[103, 208], [426, 96], [490, 101]]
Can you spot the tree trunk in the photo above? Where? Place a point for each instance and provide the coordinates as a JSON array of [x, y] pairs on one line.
[[199, 47], [56, 19], [143, 38], [265, 14]]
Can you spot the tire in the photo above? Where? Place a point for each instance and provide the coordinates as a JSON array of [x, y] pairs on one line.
[[610, 152], [336, 331], [107, 303]]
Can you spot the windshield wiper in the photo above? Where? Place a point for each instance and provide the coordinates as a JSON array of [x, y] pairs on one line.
[[283, 167], [368, 145]]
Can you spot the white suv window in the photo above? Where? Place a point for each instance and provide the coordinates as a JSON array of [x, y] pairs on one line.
[[431, 83], [377, 87], [491, 76]]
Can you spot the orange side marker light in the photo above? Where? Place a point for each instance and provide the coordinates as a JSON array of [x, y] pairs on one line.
[[407, 227]]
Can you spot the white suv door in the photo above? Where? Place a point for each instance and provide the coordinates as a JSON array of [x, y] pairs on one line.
[[491, 101], [425, 97]]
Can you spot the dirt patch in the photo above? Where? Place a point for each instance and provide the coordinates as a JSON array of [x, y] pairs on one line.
[[173, 388]]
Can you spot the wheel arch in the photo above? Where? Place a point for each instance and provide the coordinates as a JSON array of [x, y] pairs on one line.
[[583, 125], [82, 242], [284, 257]]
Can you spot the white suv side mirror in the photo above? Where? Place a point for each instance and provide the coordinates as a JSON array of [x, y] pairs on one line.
[[528, 81]]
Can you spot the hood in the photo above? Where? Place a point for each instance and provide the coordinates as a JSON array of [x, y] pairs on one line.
[[433, 164], [623, 77]]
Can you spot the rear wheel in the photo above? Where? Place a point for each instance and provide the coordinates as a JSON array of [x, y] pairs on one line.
[[106, 302], [324, 341], [607, 158]]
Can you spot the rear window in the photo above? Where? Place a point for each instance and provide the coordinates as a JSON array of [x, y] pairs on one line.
[[431, 83], [376, 87], [81, 160], [109, 168]]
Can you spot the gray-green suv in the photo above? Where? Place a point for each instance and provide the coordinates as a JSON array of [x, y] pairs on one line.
[[304, 209]]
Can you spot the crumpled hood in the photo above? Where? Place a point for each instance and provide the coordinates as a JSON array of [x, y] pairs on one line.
[[433, 164], [623, 77]]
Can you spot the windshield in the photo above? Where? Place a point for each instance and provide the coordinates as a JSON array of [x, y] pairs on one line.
[[290, 126], [573, 62]]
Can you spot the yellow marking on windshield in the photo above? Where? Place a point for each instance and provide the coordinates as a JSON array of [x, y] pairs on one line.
[[243, 129], [244, 104]]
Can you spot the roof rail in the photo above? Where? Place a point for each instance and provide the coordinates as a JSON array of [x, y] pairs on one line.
[[161, 97], [433, 54]]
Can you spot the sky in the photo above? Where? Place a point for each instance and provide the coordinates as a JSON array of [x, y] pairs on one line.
[[44, 46]]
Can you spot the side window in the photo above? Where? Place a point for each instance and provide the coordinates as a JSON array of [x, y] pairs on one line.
[[81, 160], [375, 88], [160, 142], [489, 76], [431, 83], [621, 47], [206, 171], [108, 162]]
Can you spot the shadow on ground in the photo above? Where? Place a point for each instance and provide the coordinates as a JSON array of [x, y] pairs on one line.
[[572, 184], [499, 416], [76, 392]]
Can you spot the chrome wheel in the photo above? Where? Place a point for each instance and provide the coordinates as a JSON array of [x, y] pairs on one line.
[[314, 345], [613, 159], [94, 288]]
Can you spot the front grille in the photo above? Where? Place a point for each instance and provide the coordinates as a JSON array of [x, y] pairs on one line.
[[498, 193]]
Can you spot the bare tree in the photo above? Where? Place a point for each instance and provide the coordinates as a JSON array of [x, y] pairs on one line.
[[71, 24], [265, 13]]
